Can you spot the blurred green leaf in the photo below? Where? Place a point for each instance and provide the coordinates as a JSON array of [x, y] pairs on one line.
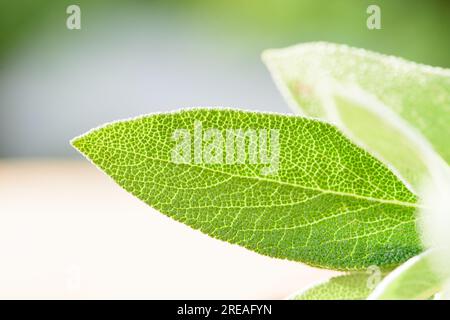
[[353, 286], [415, 279], [381, 102]]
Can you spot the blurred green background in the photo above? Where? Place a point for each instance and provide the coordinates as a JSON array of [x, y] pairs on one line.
[[134, 57]]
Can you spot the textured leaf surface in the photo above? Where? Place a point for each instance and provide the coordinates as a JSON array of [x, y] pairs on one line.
[[384, 103], [354, 286], [330, 204], [415, 279]]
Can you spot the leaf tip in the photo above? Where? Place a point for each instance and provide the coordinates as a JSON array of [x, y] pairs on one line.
[[269, 56], [266, 54], [78, 143]]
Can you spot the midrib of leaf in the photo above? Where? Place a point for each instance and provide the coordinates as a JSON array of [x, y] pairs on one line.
[[259, 178]]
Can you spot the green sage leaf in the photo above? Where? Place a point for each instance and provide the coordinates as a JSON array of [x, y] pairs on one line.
[[415, 279], [298, 189], [353, 286], [386, 104]]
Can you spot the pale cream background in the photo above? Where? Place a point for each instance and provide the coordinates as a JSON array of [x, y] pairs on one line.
[[68, 231]]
